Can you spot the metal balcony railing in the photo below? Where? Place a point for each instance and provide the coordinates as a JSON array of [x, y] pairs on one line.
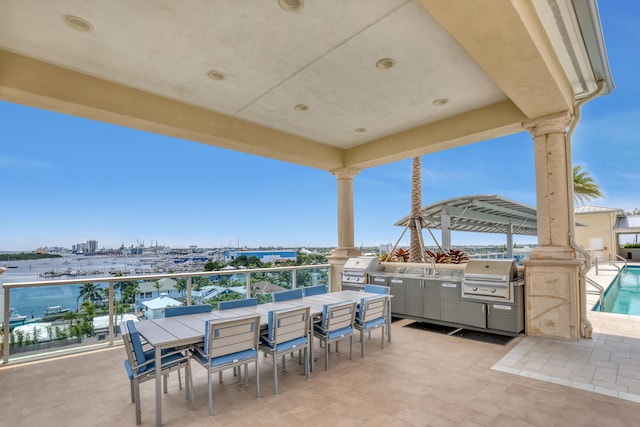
[[251, 279]]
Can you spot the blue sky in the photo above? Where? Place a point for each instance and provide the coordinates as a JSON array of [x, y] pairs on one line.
[[67, 180]]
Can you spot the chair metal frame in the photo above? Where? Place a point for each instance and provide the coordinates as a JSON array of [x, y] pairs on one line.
[[371, 315], [336, 323], [141, 367], [288, 331], [230, 343]]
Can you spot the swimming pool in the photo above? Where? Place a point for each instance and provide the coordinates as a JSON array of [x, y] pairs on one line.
[[623, 296]]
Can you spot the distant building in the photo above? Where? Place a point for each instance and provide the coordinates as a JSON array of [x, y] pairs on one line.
[[154, 309], [603, 231], [264, 256], [147, 290], [385, 248]]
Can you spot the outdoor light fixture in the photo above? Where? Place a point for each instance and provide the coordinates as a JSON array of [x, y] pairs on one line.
[[360, 130], [215, 75], [301, 107], [78, 24], [440, 101], [385, 63], [290, 5]]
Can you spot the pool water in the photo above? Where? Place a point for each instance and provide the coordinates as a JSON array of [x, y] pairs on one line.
[[623, 296]]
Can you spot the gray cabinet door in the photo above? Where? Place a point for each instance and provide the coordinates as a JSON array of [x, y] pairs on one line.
[[414, 297], [399, 291], [507, 317], [379, 280], [450, 302], [474, 314], [431, 299]]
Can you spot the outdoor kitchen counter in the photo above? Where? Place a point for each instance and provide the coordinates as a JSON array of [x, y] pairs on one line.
[[437, 298]]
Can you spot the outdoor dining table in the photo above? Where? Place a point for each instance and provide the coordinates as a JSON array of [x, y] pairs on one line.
[[188, 329]]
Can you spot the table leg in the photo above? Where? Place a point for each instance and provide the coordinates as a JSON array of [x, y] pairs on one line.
[[158, 353], [388, 319]]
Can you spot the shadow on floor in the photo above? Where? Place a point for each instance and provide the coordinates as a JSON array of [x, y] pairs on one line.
[[482, 336]]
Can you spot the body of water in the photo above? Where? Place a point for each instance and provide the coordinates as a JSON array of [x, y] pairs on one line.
[[32, 302], [623, 296]]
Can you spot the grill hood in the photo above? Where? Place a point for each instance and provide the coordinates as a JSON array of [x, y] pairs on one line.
[[503, 270]]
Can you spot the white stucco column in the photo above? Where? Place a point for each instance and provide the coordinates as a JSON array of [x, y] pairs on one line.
[[346, 248], [551, 273]]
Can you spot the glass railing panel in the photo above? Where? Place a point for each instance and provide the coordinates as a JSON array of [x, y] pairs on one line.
[[73, 312]]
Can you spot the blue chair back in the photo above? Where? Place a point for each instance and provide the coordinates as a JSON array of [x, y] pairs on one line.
[[232, 336], [371, 309], [237, 303], [314, 290], [287, 325], [186, 309], [286, 295], [136, 343], [377, 289], [338, 316]]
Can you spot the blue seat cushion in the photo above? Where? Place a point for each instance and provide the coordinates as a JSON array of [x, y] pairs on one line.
[[348, 330], [371, 324], [167, 361], [226, 359], [284, 346]]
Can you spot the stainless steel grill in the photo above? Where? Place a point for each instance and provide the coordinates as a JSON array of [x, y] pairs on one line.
[[490, 280], [355, 271]]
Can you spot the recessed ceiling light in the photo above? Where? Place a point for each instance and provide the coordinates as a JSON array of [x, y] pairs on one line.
[[440, 101], [360, 130], [385, 63], [290, 5], [78, 24], [301, 107], [215, 75]]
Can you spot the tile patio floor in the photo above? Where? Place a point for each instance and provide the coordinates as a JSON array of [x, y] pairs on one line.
[[420, 379]]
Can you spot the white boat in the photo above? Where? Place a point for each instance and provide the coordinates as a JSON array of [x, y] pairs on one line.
[[16, 318]]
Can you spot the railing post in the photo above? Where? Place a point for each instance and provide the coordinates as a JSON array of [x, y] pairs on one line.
[[6, 328], [596, 262], [112, 298], [189, 290], [248, 282], [294, 279]]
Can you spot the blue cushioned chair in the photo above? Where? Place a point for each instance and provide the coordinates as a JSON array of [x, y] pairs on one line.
[[372, 314], [186, 309], [141, 365], [314, 290], [288, 331], [376, 289], [237, 303], [286, 295], [228, 344], [337, 323]]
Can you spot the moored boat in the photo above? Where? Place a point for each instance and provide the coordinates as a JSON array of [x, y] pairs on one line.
[[54, 312]]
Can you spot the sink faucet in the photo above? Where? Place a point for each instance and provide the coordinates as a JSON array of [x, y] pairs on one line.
[[432, 270]]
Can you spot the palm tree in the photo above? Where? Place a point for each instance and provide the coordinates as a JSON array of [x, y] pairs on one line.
[[415, 248], [90, 291], [157, 285], [584, 186], [181, 285]]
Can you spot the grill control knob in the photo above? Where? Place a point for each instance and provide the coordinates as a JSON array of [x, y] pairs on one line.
[[493, 290], [475, 289]]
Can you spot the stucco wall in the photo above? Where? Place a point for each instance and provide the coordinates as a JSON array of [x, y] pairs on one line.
[[597, 225]]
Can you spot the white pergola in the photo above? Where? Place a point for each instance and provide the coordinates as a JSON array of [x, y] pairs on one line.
[[482, 213]]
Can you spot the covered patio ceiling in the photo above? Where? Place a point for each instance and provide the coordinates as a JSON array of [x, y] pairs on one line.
[[332, 84]]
